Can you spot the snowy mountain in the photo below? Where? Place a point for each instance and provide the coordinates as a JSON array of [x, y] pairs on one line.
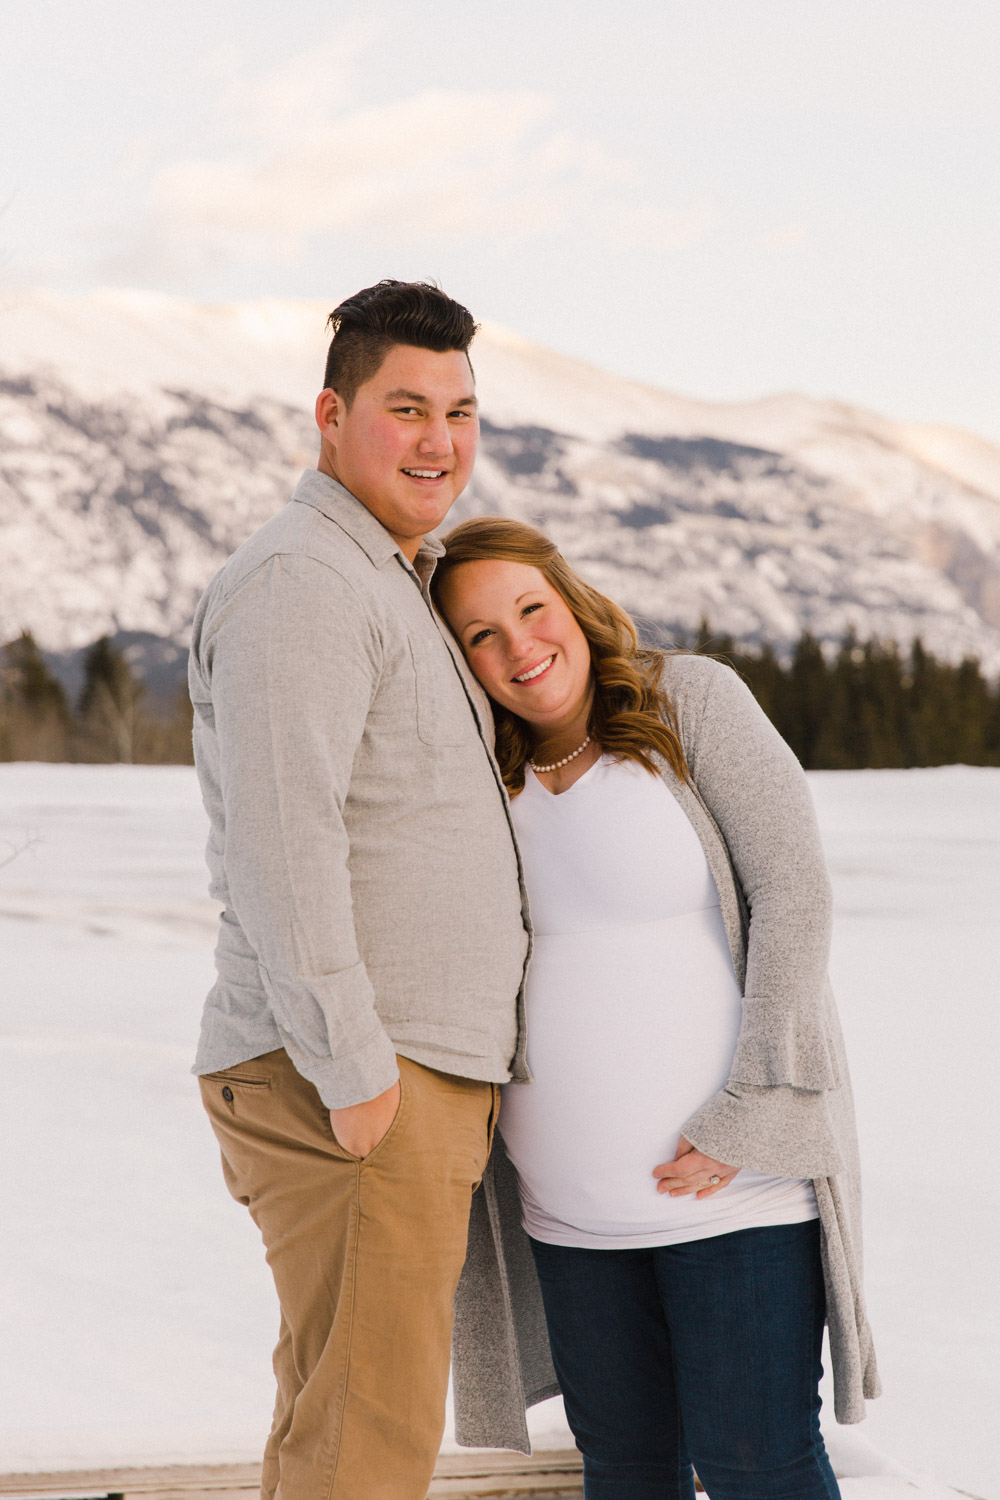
[[142, 438]]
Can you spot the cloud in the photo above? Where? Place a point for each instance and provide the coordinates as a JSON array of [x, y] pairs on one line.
[[302, 157], [785, 236], [309, 88], [666, 228], [437, 164]]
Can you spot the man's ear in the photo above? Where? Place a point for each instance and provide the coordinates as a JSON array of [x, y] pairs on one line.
[[329, 410]]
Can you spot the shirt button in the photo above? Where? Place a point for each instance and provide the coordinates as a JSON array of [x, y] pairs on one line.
[[227, 1094]]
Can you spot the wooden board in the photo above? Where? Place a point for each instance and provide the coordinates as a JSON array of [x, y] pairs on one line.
[[554, 1475], [458, 1476]]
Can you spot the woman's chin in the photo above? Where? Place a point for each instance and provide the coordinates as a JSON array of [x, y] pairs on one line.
[[533, 715]]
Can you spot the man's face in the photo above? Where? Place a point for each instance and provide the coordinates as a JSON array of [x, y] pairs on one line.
[[406, 445]]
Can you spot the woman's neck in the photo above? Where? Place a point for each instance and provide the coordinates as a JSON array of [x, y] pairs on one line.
[[562, 754]]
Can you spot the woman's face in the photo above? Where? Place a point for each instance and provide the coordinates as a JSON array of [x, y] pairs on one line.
[[521, 639]]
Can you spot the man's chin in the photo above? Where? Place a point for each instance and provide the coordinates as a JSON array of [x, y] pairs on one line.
[[436, 508]]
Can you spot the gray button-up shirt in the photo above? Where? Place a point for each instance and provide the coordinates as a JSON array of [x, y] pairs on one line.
[[360, 837]]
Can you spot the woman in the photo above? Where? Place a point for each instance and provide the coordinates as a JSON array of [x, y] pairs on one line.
[[684, 1164]]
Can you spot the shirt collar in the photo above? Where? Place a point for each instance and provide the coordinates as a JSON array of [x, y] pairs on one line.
[[347, 512]]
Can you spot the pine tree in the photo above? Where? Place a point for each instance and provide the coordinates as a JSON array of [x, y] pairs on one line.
[[880, 706], [839, 741], [991, 728], [807, 703], [924, 698], [34, 714], [768, 681], [971, 713], [870, 708], [108, 708]]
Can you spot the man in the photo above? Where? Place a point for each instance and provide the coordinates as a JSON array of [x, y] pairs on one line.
[[372, 948]]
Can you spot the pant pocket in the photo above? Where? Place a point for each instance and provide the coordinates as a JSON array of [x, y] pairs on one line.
[[229, 1084], [494, 1117], [491, 1127], [397, 1120]]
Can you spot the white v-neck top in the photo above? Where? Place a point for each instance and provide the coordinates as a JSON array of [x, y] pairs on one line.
[[633, 1011]]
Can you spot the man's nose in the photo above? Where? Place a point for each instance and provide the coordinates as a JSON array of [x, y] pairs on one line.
[[436, 436]]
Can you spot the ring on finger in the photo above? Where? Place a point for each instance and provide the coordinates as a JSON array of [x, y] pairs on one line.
[[714, 1181]]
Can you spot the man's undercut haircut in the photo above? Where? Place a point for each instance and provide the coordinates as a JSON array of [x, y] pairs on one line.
[[367, 325]]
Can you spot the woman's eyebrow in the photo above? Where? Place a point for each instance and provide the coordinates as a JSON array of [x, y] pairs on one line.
[[465, 627], [516, 601]]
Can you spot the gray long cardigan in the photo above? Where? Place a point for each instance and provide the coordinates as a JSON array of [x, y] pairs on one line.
[[786, 1108]]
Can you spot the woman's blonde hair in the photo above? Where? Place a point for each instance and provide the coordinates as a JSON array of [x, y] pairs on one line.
[[632, 714]]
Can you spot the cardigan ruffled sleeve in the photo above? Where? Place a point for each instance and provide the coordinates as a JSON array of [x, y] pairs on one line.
[[771, 1114]]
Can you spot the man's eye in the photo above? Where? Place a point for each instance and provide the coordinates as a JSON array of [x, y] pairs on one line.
[[479, 636], [465, 415]]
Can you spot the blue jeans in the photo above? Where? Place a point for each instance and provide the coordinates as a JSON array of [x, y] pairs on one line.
[[703, 1354]]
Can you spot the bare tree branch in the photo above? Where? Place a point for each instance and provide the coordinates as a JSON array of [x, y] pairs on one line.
[[14, 848]]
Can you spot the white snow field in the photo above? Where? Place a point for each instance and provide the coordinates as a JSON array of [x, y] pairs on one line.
[[139, 1315]]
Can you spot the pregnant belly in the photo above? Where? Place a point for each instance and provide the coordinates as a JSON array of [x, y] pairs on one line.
[[630, 1030]]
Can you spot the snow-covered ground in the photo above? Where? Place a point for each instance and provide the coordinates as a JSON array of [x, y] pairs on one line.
[[139, 1315]]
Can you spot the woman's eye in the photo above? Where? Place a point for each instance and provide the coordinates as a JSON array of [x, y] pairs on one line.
[[480, 635], [530, 608]]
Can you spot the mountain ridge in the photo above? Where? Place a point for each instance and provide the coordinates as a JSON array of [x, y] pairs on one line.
[[143, 437]]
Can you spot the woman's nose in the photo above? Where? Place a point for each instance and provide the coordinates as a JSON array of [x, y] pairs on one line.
[[520, 642]]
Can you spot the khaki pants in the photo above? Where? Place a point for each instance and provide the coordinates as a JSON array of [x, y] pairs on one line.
[[366, 1255]]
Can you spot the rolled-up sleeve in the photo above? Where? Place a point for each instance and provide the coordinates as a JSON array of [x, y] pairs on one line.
[[294, 660]]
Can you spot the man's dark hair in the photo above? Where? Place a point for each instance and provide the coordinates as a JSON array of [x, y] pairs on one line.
[[366, 326]]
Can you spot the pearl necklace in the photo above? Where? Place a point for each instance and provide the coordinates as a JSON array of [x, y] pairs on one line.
[[538, 770]]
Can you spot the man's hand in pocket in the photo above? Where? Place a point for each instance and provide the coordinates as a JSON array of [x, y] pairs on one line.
[[360, 1127]]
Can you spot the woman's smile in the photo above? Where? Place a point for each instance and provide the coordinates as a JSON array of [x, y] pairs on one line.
[[535, 673]]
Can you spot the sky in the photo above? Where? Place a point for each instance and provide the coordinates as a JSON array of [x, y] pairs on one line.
[[727, 199]]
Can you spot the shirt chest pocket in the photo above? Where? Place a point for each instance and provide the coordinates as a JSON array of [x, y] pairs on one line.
[[444, 715]]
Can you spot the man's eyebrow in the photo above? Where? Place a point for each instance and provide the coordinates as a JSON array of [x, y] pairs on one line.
[[415, 396]]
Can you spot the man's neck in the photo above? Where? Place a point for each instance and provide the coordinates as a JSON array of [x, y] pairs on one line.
[[408, 545]]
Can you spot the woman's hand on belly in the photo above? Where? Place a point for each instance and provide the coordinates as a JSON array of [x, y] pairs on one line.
[[691, 1172]]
